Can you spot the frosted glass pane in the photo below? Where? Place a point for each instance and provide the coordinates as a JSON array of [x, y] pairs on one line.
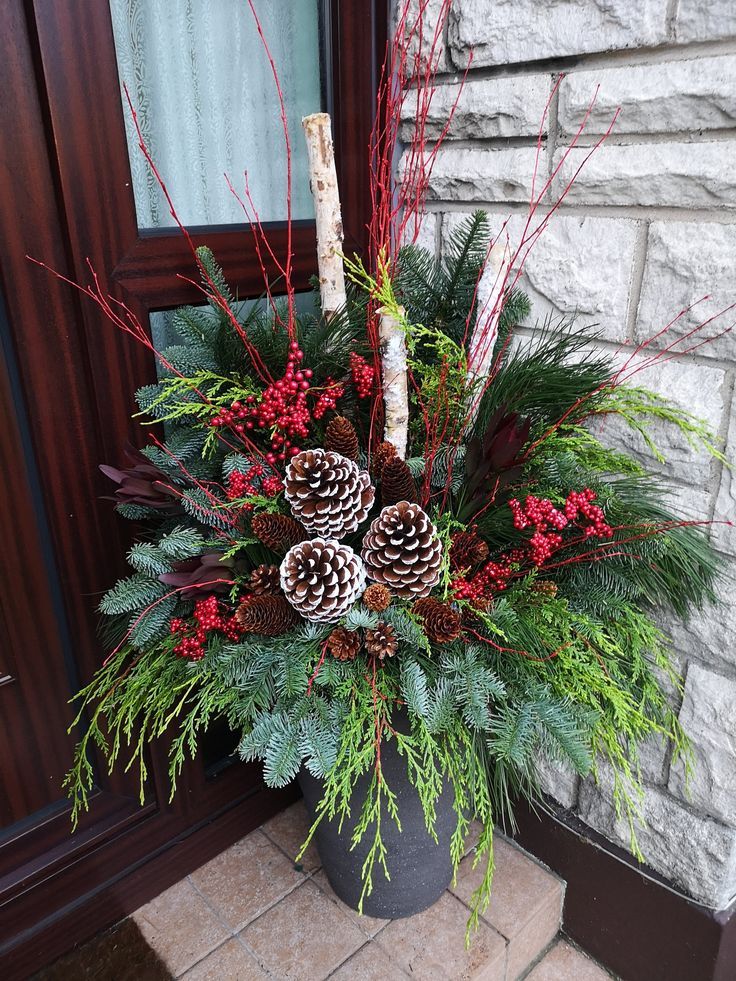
[[207, 106]]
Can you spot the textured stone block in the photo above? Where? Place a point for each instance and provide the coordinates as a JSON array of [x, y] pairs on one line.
[[486, 108], [705, 21], [697, 388], [508, 31], [724, 536], [565, 963], [559, 781], [688, 260], [708, 715], [675, 174], [426, 232], [709, 634], [430, 26], [562, 273], [479, 174], [697, 853], [663, 98]]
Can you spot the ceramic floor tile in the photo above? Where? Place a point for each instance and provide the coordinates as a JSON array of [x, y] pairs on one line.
[[230, 962], [526, 902], [246, 879], [370, 925], [431, 945], [180, 927], [288, 829], [305, 937], [369, 964], [565, 963]]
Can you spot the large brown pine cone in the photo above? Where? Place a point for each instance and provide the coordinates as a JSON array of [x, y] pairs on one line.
[[401, 550], [380, 457], [397, 483], [344, 644], [467, 550], [278, 531], [340, 437], [322, 579], [441, 622], [377, 597], [267, 615], [265, 579], [381, 642], [328, 493]]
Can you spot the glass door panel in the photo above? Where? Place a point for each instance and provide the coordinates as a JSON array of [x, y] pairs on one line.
[[202, 86]]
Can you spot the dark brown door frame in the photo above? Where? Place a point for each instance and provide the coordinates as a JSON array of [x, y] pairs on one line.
[[66, 195]]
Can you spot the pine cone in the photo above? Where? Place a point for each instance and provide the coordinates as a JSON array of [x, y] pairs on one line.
[[381, 642], [277, 531], [340, 437], [264, 579], [377, 597], [270, 616], [344, 644], [397, 483], [441, 622], [322, 579], [380, 457], [401, 550], [328, 493], [467, 550]]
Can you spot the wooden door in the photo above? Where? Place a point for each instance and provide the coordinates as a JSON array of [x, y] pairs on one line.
[[66, 381]]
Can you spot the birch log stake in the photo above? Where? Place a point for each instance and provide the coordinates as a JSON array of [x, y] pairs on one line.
[[394, 380], [323, 181], [482, 343]]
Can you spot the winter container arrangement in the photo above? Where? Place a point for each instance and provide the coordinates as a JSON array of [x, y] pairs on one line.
[[385, 539]]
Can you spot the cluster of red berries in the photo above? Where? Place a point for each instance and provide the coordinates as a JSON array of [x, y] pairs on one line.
[[580, 503], [328, 398], [362, 374], [540, 514], [282, 409], [192, 634], [244, 484], [493, 577]]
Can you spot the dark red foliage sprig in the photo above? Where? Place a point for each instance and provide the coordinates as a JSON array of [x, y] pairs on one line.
[[210, 616]]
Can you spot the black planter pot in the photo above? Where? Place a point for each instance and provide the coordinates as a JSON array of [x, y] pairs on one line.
[[420, 868]]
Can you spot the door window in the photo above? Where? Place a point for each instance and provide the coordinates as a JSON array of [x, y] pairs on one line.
[[207, 105]]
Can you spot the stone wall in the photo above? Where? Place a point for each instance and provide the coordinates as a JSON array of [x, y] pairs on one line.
[[649, 226]]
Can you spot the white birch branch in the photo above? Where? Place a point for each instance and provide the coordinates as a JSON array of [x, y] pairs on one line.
[[326, 194], [394, 380], [483, 341]]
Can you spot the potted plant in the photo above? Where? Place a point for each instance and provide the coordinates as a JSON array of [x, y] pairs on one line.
[[381, 540]]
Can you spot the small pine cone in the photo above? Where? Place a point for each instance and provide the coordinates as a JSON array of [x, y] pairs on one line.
[[377, 597], [401, 550], [397, 483], [441, 622], [380, 457], [322, 579], [328, 493], [381, 642], [340, 437], [467, 550], [264, 579], [277, 531], [344, 644], [546, 587], [270, 616]]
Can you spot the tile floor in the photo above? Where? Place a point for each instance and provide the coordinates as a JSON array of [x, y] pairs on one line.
[[250, 914]]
